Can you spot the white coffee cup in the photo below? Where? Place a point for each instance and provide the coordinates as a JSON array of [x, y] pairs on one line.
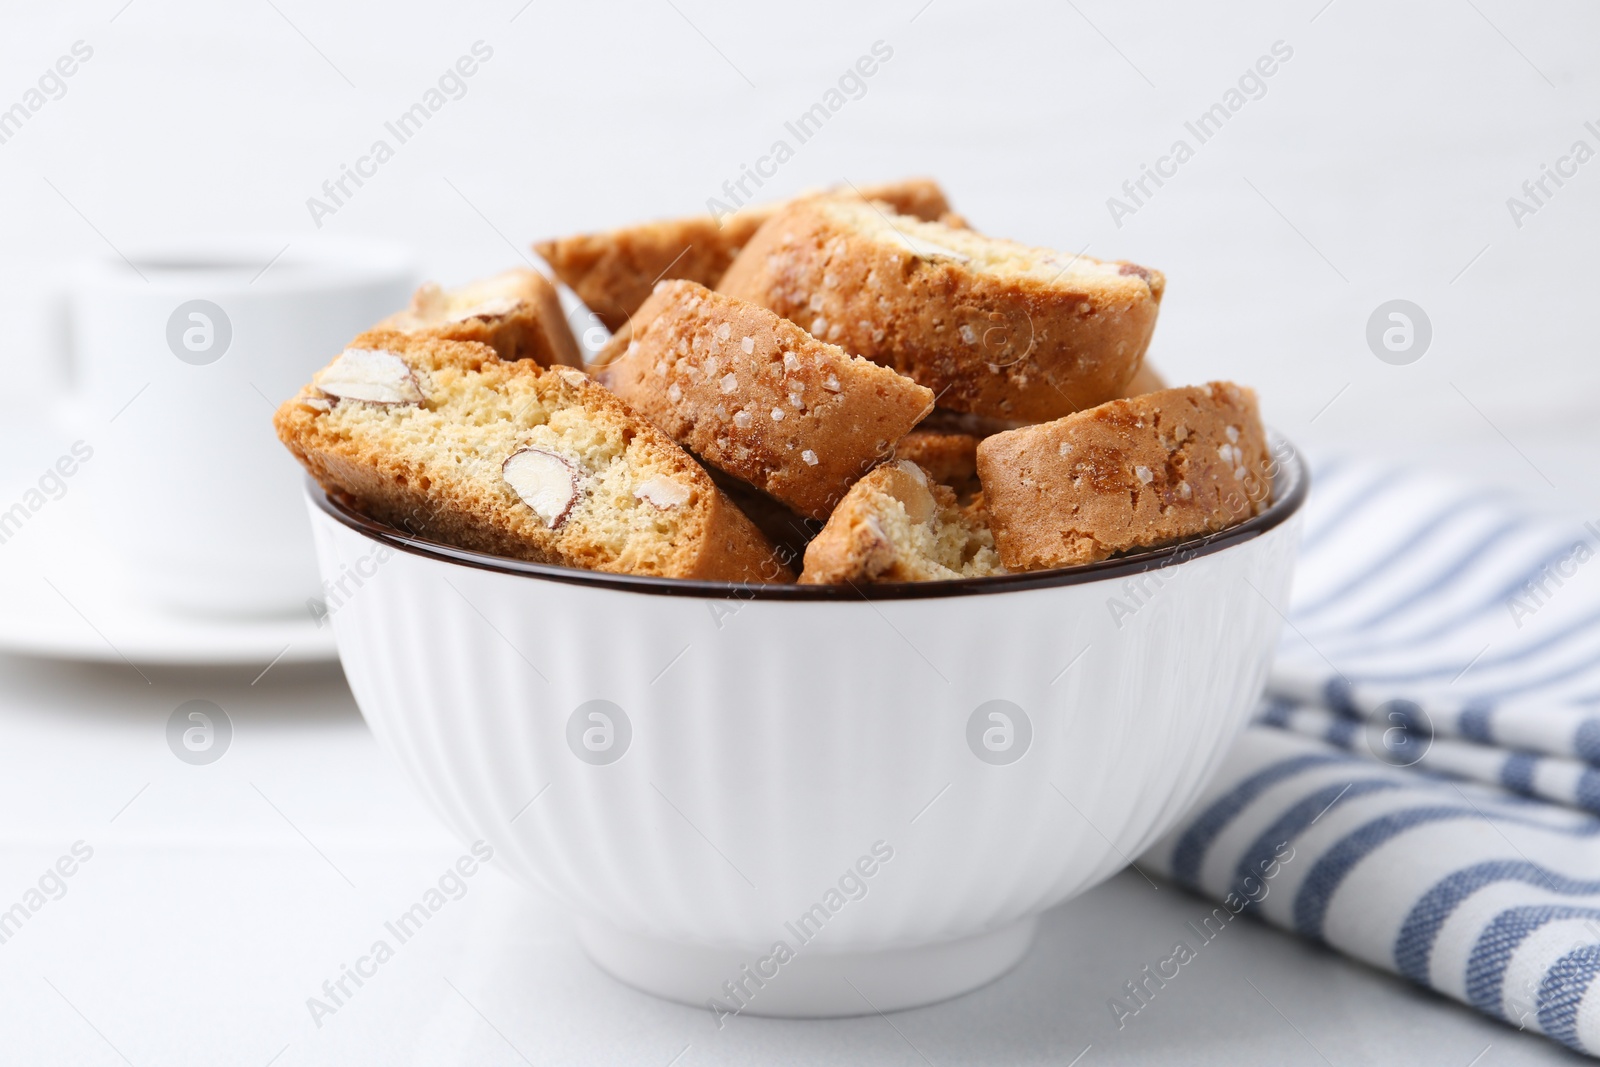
[[177, 357]]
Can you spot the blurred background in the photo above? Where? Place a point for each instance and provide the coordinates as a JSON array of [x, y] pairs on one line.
[[1375, 163]]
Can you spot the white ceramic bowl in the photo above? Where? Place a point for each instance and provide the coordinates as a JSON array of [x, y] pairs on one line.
[[804, 800]]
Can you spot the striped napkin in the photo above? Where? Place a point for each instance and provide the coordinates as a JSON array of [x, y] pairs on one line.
[[1418, 789]]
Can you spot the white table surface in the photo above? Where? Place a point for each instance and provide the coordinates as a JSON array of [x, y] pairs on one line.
[[219, 898]]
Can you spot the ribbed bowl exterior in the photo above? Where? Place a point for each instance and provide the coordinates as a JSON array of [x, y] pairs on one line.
[[774, 744]]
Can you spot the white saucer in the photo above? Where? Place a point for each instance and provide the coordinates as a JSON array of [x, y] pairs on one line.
[[62, 596]]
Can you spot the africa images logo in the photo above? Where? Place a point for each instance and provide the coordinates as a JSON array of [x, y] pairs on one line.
[[999, 732], [199, 332], [199, 732], [1399, 332], [599, 732]]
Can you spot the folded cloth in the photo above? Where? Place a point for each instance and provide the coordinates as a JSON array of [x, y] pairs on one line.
[[1564, 781], [1448, 609], [1476, 893], [1411, 792]]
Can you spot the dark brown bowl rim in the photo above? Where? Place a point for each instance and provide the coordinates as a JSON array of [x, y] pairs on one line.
[[1291, 484]]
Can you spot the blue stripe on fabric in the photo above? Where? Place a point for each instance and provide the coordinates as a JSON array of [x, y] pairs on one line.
[[1292, 823], [1516, 800], [1413, 946], [1554, 556], [1453, 570], [1562, 991], [1475, 723], [1586, 740], [1328, 873], [1545, 679], [1497, 600], [1338, 695], [1276, 713], [1583, 626], [1343, 733], [1516, 773], [1400, 552], [1587, 793], [1408, 715], [1460, 619], [1190, 851], [1316, 892], [1486, 967]]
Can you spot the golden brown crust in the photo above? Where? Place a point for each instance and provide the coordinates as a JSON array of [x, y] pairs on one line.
[[949, 458], [516, 313], [896, 525], [613, 272], [992, 327], [1128, 474], [735, 549], [788, 530], [759, 398], [434, 468]]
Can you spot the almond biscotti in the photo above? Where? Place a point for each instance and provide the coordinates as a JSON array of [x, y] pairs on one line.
[[897, 525], [945, 444], [516, 313], [447, 442], [993, 327], [614, 272], [786, 528], [1125, 475], [756, 396]]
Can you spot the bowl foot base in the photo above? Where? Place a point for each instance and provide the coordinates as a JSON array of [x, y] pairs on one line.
[[811, 983]]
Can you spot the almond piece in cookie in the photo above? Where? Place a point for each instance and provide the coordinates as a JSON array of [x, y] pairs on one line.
[[516, 313], [444, 441], [371, 375], [757, 397], [949, 458], [1126, 475], [613, 272], [993, 327], [897, 525]]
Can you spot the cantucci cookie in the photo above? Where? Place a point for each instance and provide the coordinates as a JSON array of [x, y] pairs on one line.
[[759, 398], [1125, 475], [614, 272], [445, 441], [788, 530], [897, 525], [993, 327], [516, 313], [949, 458]]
